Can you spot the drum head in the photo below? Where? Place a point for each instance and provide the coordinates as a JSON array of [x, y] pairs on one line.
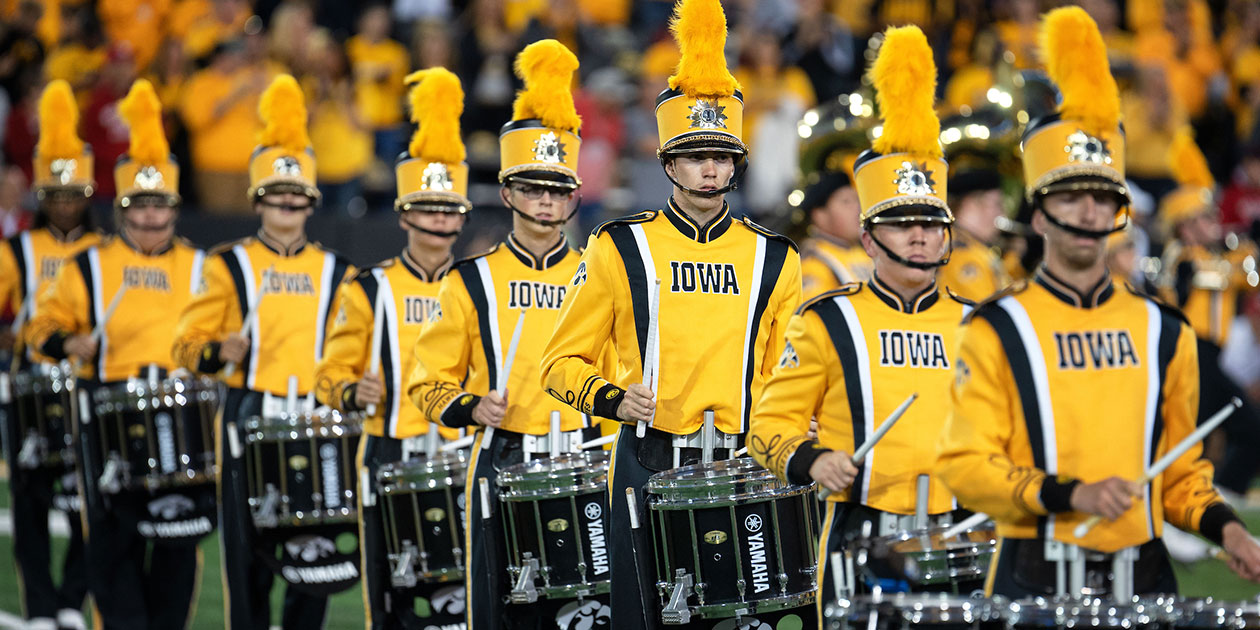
[[446, 469], [320, 423], [566, 475], [723, 482], [1079, 612], [137, 394]]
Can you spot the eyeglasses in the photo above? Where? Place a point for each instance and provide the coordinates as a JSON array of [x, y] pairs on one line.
[[289, 208], [534, 193]]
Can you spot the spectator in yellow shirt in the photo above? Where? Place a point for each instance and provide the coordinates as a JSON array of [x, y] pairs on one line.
[[80, 54], [203, 24], [379, 65], [339, 135]]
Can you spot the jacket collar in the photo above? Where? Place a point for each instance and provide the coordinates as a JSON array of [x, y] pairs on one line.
[[416, 270], [694, 231], [919, 303], [550, 258], [274, 245], [1068, 294], [170, 244]]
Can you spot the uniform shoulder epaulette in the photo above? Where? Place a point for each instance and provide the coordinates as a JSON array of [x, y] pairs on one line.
[[849, 288], [958, 298], [367, 271], [769, 233], [469, 259], [1163, 306], [341, 258], [227, 246], [641, 217], [1019, 286]]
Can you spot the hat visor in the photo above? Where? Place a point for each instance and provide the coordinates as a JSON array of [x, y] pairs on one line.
[[270, 188], [549, 179], [132, 199], [912, 213], [1080, 183]]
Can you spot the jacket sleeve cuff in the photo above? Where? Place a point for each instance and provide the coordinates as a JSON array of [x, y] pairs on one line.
[[1056, 493], [1215, 518], [55, 346], [799, 463], [208, 361], [347, 398], [458, 413], [607, 399]]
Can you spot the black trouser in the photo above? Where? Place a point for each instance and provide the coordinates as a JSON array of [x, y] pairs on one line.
[[390, 608], [1020, 570], [635, 603], [247, 580], [32, 494], [486, 572], [1242, 428]]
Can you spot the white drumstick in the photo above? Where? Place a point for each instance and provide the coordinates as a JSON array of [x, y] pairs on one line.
[[964, 525], [23, 313], [252, 313], [600, 441], [862, 451], [649, 354], [501, 386], [1167, 460], [378, 325], [99, 331], [455, 445]]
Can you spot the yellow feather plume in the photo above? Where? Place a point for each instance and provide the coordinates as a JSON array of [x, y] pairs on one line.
[[58, 122], [699, 26], [142, 112], [547, 69], [904, 75], [1188, 165], [437, 101], [1076, 60], [283, 111]]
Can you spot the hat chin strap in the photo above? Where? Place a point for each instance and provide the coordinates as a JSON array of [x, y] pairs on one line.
[[949, 238], [1080, 231], [547, 222], [432, 232], [731, 185]]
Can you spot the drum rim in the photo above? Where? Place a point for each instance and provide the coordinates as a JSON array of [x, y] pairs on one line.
[[281, 428], [525, 472], [137, 388]]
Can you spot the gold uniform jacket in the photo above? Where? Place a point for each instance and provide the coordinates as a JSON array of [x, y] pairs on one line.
[[139, 332], [287, 336], [1053, 388], [460, 356], [1207, 285], [410, 299], [975, 271], [827, 264], [727, 290], [839, 346]]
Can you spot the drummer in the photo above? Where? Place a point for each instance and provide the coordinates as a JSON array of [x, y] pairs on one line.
[[432, 207], [1068, 387], [150, 275], [28, 263], [897, 330], [466, 374], [726, 289], [285, 337]]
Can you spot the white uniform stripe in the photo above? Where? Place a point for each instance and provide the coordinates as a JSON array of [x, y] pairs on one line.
[[750, 335], [649, 272], [194, 278], [864, 377], [1041, 383], [492, 313], [32, 271], [247, 272], [99, 305], [1154, 330], [327, 285], [393, 342]]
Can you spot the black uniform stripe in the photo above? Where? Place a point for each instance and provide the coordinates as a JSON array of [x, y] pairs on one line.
[[772, 267], [1169, 335], [481, 303], [340, 266], [623, 240], [838, 330], [89, 283], [242, 296], [15, 245]]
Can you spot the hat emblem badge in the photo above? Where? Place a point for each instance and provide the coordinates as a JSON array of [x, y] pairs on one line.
[[64, 169], [914, 179], [549, 149], [1083, 147], [707, 114], [149, 178], [287, 166], [436, 177]]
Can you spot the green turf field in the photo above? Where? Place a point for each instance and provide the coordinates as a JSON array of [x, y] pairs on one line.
[[345, 612]]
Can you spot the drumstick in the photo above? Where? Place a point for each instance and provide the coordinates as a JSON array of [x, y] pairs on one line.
[[599, 441], [964, 525], [251, 314], [99, 331], [378, 324], [649, 354], [455, 445], [501, 387], [1167, 460], [862, 451], [23, 313]]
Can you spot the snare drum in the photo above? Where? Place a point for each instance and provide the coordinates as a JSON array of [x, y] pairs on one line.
[[422, 504], [556, 519], [731, 539], [1208, 613], [40, 434], [300, 468], [1084, 612], [155, 434], [902, 611], [925, 559]]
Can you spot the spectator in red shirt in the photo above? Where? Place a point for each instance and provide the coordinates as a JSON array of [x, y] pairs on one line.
[[1240, 203], [103, 128]]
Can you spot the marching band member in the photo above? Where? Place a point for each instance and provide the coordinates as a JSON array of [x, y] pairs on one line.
[[1068, 387], [464, 376], [432, 215], [135, 582], [832, 256], [288, 284], [28, 263], [726, 289], [975, 271], [1206, 274], [897, 330]]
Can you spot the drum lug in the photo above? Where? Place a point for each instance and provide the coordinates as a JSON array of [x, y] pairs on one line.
[[783, 583], [28, 457], [265, 515], [676, 612], [404, 574], [108, 482], [524, 591]]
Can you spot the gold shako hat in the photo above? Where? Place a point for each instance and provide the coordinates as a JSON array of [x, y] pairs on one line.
[[540, 144], [62, 161], [702, 110], [432, 175], [283, 160], [147, 169]]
